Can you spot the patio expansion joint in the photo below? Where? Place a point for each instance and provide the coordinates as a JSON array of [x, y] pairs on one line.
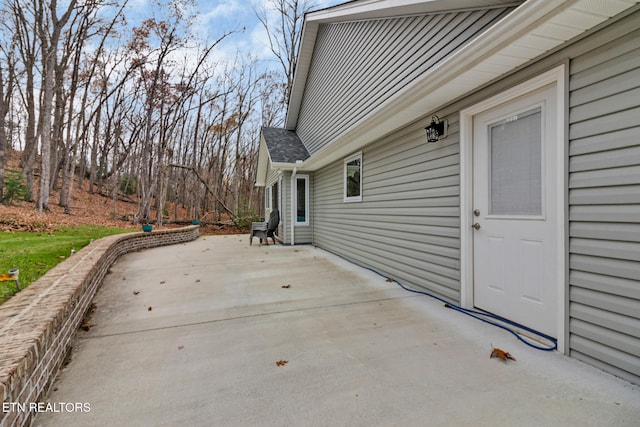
[[248, 316]]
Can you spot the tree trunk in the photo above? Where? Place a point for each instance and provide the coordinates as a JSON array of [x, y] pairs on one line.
[[49, 57], [45, 130], [93, 167], [4, 109], [30, 140]]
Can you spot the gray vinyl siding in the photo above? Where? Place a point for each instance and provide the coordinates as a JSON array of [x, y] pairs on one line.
[[359, 65], [604, 199], [272, 179], [303, 234], [285, 212], [407, 225]]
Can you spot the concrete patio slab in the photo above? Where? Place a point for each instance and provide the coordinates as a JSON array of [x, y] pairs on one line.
[[219, 333]]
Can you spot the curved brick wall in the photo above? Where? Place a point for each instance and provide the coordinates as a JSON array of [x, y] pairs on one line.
[[38, 324]]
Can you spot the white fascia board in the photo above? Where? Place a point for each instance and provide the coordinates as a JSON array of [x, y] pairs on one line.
[[285, 166], [263, 163], [459, 74], [303, 64], [376, 9]]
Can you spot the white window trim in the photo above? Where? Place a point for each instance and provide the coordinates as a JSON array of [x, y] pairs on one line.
[[344, 178], [295, 199], [267, 198]]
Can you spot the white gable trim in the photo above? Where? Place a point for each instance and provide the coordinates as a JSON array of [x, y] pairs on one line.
[[363, 10]]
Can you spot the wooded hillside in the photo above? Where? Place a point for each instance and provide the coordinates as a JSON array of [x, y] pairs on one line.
[[140, 111]]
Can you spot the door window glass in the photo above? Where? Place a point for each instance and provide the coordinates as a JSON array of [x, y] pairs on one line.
[[516, 165]]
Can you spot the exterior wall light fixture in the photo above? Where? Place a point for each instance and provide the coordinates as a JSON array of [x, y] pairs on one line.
[[437, 129]]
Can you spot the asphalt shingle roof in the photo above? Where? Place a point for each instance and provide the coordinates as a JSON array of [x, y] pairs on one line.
[[284, 145]]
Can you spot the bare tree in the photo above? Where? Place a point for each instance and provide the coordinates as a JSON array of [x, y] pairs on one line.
[[83, 66], [246, 98], [6, 91], [101, 111], [7, 84], [49, 46], [283, 34], [166, 95], [24, 26], [154, 80]]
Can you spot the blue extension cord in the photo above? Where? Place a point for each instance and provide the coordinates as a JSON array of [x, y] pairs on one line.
[[480, 315]]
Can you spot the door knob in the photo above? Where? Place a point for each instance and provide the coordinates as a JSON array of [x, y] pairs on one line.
[[476, 212], [476, 226]]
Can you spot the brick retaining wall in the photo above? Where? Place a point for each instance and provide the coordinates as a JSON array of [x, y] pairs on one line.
[[38, 323]]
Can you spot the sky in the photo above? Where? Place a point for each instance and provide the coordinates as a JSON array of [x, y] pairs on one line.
[[215, 17]]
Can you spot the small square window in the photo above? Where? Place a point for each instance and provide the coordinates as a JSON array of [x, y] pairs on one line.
[[353, 178]]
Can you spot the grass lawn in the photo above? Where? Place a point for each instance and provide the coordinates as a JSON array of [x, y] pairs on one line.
[[35, 253]]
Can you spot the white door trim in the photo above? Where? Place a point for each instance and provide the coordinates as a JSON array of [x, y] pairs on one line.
[[555, 76]]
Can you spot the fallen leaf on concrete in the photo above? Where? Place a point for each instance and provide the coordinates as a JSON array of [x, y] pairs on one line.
[[197, 280], [163, 282], [180, 347], [281, 362], [286, 286], [136, 292], [87, 326], [389, 279], [496, 352], [150, 308]]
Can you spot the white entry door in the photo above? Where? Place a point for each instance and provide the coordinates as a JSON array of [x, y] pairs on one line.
[[515, 185]]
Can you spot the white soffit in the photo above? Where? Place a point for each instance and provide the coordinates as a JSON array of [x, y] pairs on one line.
[[534, 28]]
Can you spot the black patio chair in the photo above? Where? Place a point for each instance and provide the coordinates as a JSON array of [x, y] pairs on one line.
[[264, 230]]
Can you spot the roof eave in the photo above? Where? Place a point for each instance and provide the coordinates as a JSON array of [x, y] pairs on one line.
[[265, 164], [485, 59]]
